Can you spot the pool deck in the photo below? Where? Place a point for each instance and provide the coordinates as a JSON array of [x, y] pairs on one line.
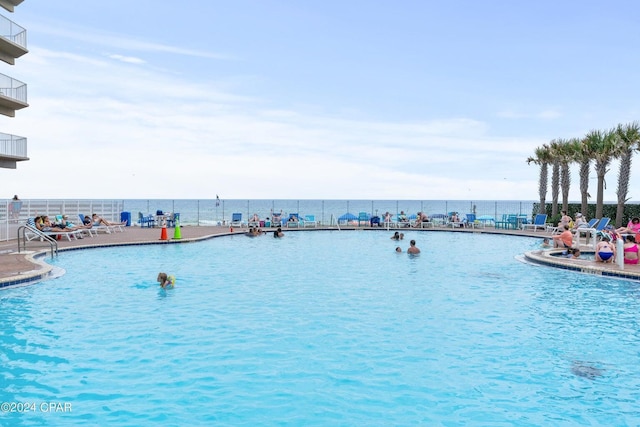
[[30, 265]]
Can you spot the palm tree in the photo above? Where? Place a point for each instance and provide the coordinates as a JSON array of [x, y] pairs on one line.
[[604, 144], [564, 152], [542, 159], [554, 151], [628, 139], [583, 153]]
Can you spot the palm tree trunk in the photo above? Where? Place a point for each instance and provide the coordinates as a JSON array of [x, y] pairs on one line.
[[600, 196], [542, 188], [565, 183], [623, 185], [555, 188], [584, 187]]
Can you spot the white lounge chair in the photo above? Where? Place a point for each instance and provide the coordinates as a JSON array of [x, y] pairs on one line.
[[540, 221], [310, 221]]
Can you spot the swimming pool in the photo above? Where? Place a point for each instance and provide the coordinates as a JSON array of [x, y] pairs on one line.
[[322, 328]]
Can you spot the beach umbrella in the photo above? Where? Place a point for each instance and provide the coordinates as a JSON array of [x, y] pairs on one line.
[[348, 217], [412, 216]]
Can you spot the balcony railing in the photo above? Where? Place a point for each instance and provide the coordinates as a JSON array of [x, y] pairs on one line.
[[13, 146], [13, 95], [13, 32]]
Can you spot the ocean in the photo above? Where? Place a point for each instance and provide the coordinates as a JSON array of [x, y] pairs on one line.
[[212, 211]]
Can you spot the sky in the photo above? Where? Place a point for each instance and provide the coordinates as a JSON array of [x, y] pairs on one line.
[[358, 99]]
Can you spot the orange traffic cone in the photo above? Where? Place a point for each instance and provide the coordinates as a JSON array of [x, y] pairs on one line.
[[163, 233]]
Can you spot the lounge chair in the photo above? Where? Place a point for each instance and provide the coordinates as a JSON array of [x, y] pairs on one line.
[[32, 232], [276, 220], [540, 221], [589, 232], [107, 229], [293, 221], [363, 217], [310, 221], [471, 221], [389, 223], [236, 220], [253, 223]]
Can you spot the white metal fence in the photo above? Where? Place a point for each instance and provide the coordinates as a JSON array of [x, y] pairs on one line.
[[15, 213]]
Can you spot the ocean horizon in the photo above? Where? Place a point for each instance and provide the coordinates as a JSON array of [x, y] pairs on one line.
[[219, 211]]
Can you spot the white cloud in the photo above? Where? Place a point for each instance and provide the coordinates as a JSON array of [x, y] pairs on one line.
[[93, 37], [128, 59], [107, 129]]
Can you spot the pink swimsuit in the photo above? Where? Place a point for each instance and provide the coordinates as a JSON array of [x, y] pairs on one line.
[[633, 248], [634, 227]]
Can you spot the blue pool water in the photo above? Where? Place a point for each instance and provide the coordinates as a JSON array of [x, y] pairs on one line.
[[321, 328]]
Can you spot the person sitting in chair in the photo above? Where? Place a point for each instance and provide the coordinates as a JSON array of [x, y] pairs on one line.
[[402, 219], [44, 224], [420, 218], [276, 217], [564, 239], [633, 227]]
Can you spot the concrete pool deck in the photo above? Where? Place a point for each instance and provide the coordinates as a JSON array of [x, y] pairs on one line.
[[30, 265]]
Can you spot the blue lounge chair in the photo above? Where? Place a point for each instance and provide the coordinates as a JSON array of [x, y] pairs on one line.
[[310, 221], [471, 221], [363, 218], [236, 219], [589, 232], [293, 221], [540, 221]]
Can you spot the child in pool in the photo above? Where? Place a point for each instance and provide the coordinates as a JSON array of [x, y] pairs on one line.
[[166, 282]]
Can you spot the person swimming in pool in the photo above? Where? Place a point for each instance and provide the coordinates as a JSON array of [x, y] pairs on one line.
[[166, 282], [573, 253], [605, 250], [413, 249]]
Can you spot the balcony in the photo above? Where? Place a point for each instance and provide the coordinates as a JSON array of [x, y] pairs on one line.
[[9, 4], [13, 40], [13, 95], [13, 149]]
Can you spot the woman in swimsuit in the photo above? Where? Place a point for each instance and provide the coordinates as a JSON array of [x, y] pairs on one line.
[[605, 251], [632, 227], [630, 250], [45, 225], [565, 220]]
